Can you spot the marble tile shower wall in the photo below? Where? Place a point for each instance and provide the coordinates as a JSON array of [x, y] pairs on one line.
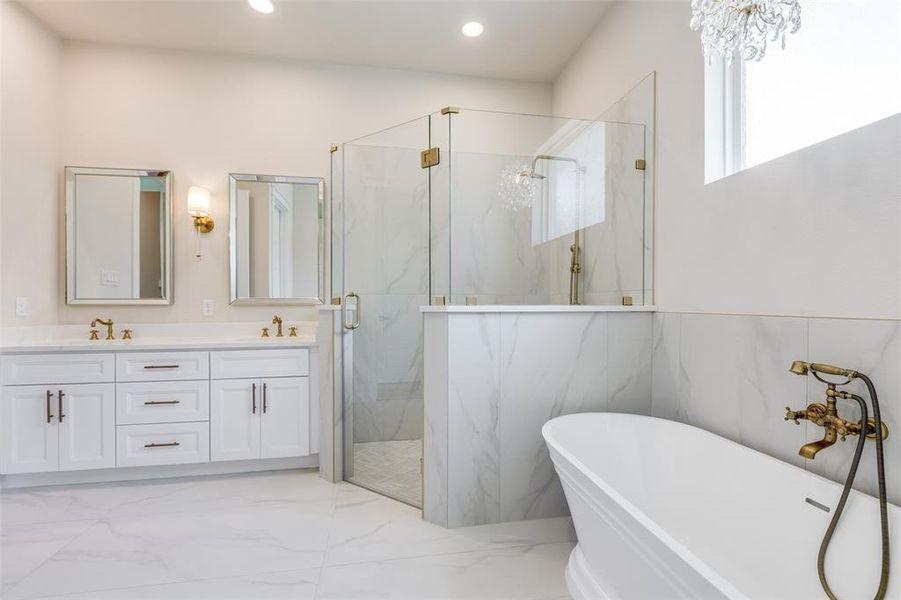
[[508, 374], [729, 374]]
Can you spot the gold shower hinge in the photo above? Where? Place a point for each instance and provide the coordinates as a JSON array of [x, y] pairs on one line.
[[450, 110], [430, 157], [640, 164], [627, 300]]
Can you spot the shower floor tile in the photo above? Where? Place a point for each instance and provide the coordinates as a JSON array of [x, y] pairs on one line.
[[391, 468]]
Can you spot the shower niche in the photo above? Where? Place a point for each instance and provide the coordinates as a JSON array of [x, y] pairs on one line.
[[472, 207]]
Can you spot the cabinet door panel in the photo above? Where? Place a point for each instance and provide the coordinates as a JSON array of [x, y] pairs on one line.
[[234, 422], [286, 417], [29, 443], [87, 426]]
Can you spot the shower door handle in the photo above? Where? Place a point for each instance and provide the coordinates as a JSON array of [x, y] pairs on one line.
[[356, 322]]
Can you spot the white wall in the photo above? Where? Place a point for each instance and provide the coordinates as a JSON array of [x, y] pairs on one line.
[[29, 208], [812, 233], [201, 116]]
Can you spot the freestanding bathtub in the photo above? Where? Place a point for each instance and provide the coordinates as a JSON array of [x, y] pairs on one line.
[[665, 510]]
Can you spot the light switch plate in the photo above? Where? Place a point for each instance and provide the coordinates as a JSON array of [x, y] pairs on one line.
[[208, 307], [21, 306]]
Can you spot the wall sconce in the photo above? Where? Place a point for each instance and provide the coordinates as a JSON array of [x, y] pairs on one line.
[[199, 209]]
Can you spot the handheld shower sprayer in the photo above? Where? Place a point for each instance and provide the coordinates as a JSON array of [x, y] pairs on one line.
[[879, 433]]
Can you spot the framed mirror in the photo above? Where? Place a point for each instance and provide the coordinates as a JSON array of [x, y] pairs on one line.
[[275, 239], [118, 236]]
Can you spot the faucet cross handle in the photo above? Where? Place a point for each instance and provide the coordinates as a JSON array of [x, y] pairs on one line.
[[792, 415]]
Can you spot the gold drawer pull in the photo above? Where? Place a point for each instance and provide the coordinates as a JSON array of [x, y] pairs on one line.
[[166, 445], [158, 402], [161, 366]]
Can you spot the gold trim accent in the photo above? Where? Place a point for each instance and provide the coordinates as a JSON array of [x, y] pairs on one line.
[[336, 301], [440, 301], [204, 224], [333, 148], [471, 301], [450, 110], [627, 300], [641, 164], [430, 157]]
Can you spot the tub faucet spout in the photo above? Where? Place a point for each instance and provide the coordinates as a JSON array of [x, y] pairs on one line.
[[810, 450]]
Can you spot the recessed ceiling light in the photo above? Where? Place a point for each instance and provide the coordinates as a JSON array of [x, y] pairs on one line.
[[473, 29], [263, 6]]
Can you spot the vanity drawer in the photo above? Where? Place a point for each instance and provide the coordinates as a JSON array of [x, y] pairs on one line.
[[31, 369], [162, 402], [162, 366], [240, 364], [162, 444]]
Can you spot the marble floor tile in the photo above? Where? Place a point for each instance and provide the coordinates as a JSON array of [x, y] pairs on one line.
[[368, 527], [297, 585], [274, 489], [147, 550], [521, 573], [60, 503], [23, 548]]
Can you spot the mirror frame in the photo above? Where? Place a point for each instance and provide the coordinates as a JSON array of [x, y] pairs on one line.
[[233, 179], [168, 278]]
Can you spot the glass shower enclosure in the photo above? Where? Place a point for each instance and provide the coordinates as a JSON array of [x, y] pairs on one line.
[[469, 207]]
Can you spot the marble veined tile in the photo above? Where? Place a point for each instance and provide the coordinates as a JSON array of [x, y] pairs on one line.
[[473, 396], [23, 548], [59, 503], [278, 489], [666, 367], [133, 551], [551, 364], [734, 379], [874, 348], [368, 527], [297, 585], [629, 341], [520, 573]]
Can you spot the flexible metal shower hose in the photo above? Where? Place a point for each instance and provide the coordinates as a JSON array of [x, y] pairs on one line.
[[852, 472]]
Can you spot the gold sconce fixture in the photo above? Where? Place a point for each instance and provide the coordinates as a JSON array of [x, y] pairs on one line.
[[199, 208]]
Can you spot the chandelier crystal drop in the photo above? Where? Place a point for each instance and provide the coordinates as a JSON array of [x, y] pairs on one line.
[[743, 27], [517, 189]]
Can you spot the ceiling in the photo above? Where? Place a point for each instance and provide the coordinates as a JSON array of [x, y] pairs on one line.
[[528, 40]]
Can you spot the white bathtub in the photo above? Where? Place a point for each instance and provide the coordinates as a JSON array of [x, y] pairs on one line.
[[665, 510]]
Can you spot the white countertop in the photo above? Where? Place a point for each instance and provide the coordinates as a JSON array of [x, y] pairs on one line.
[[161, 336], [158, 344], [525, 308]]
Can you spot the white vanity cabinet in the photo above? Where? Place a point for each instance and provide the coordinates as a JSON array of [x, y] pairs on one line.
[[259, 417], [55, 424], [76, 411]]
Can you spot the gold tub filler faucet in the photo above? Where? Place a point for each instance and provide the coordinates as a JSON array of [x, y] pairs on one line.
[[836, 427]]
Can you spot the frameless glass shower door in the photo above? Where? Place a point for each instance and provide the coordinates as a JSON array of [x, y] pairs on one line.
[[385, 226]]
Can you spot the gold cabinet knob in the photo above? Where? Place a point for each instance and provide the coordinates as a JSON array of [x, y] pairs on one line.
[[292, 331], [126, 334], [94, 334], [264, 332]]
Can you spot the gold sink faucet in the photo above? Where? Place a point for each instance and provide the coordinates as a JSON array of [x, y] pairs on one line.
[[277, 321], [109, 327]]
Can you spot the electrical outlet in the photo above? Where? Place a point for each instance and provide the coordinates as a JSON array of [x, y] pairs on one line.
[[207, 307], [21, 306]]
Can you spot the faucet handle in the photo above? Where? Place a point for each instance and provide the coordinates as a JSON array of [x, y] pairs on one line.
[[126, 334], [264, 332], [95, 335], [292, 331], [793, 415]]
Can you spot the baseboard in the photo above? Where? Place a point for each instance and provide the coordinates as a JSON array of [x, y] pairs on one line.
[[157, 472]]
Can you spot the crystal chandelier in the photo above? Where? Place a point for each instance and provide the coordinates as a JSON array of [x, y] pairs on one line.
[[743, 27], [518, 186]]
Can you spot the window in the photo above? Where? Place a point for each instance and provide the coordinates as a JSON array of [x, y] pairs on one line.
[[841, 71]]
